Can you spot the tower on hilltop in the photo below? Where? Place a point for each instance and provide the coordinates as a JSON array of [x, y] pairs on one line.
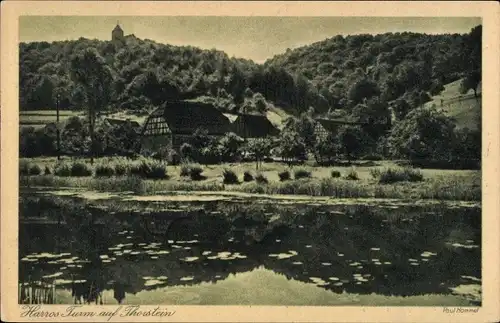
[[117, 34]]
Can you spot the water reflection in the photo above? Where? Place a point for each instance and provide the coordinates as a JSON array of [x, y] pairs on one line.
[[407, 251]]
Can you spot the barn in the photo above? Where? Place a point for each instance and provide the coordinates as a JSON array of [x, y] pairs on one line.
[[254, 126], [174, 123]]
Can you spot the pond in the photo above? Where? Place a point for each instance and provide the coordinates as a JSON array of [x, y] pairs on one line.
[[241, 252]]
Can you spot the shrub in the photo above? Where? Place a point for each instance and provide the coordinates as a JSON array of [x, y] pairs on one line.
[[150, 169], [284, 175], [187, 151], [352, 175], [335, 174], [261, 179], [35, 169], [195, 173], [185, 169], [47, 170], [62, 169], [104, 170], [80, 169], [121, 169], [302, 173], [247, 176], [27, 168], [375, 173], [230, 177], [24, 167], [393, 175]]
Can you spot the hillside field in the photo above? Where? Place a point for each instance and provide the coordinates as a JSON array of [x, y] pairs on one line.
[[464, 108]]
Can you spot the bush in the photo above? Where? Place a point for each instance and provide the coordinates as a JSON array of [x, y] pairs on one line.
[[104, 170], [302, 173], [247, 176], [335, 174], [261, 179], [150, 169], [62, 169], [195, 173], [24, 167], [47, 170], [80, 169], [186, 151], [393, 175], [121, 169], [27, 168], [284, 175], [375, 173], [35, 169], [230, 177], [185, 169], [352, 175]]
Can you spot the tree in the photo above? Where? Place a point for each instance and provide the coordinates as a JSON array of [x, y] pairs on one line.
[[424, 134], [326, 149], [351, 140], [471, 81], [292, 147], [400, 108], [362, 89], [89, 70], [259, 148], [230, 146]]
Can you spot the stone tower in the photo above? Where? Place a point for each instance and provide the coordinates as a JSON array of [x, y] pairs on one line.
[[117, 34]]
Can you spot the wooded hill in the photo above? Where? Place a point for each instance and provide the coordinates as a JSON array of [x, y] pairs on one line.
[[398, 69]]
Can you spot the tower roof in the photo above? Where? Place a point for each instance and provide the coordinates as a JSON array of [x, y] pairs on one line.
[[118, 28]]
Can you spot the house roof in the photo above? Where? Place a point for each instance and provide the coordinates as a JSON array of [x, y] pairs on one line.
[[119, 122], [333, 124], [185, 117], [253, 126]]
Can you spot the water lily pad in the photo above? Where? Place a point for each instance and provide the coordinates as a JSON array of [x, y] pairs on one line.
[[53, 275], [190, 259]]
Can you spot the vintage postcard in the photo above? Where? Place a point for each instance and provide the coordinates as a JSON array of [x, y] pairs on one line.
[[250, 161]]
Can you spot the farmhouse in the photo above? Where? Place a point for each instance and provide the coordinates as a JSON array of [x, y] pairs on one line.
[[253, 126], [175, 122], [326, 126]]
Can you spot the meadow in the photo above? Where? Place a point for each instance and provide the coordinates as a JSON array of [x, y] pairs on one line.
[[367, 179]]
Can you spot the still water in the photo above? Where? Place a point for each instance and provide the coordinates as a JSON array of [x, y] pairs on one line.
[[223, 252]]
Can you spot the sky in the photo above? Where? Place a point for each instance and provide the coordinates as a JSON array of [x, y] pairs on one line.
[[256, 38]]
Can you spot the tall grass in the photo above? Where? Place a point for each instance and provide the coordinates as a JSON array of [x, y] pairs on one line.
[[230, 177], [440, 189], [247, 176], [393, 175], [352, 175], [28, 168], [150, 169], [261, 179], [301, 173], [284, 175], [104, 171], [323, 187]]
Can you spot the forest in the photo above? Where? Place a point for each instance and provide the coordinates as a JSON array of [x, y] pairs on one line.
[[380, 78]]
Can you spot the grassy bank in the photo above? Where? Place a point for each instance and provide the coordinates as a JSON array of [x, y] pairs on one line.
[[145, 176], [442, 188]]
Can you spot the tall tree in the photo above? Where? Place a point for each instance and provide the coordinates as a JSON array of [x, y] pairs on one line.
[[89, 70]]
